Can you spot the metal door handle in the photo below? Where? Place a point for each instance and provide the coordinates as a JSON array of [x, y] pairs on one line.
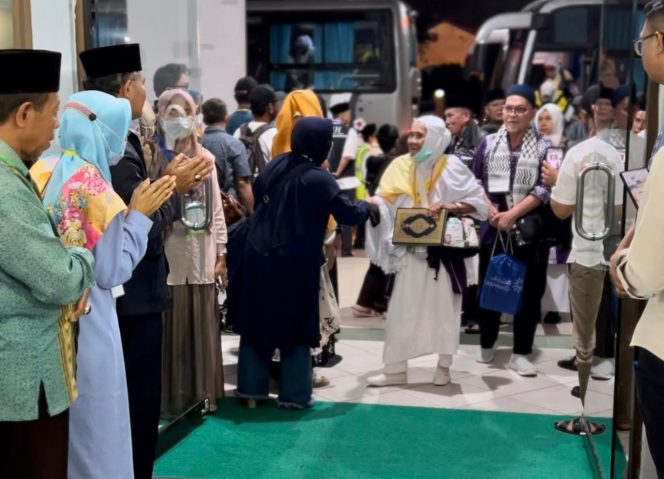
[[610, 201]]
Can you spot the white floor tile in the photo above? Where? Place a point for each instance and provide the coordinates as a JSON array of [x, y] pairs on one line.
[[453, 395], [508, 404]]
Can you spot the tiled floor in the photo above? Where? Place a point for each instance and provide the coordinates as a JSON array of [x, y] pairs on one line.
[[473, 386]]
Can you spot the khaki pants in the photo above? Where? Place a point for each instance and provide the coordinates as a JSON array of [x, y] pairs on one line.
[[585, 291]]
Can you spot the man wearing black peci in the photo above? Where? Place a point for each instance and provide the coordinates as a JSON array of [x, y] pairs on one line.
[[117, 70]]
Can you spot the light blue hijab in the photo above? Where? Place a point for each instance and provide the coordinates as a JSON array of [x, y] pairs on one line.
[[93, 130]]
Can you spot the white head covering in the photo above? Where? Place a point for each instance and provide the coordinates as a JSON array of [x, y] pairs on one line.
[[437, 139], [558, 121]]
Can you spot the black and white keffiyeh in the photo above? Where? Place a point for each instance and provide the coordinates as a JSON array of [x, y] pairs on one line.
[[527, 166]]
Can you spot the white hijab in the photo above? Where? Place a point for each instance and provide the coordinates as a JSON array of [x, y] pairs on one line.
[[437, 139], [557, 119]]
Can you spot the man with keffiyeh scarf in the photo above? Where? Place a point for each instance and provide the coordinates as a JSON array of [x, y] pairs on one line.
[[508, 164]]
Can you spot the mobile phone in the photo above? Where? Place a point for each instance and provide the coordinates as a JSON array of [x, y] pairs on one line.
[[635, 181], [554, 156]]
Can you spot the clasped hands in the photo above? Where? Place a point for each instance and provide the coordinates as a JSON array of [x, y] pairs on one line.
[[188, 172], [502, 220]]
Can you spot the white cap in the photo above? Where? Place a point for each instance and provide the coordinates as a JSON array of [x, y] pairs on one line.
[[339, 98]]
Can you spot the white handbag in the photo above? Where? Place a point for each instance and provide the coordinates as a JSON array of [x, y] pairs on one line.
[[461, 233]]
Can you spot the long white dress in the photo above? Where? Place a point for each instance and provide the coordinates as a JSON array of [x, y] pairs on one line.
[[423, 316]]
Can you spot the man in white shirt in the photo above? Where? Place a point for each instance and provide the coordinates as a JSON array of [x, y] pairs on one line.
[[588, 265]]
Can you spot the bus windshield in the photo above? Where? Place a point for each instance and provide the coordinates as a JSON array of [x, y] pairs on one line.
[[324, 50]]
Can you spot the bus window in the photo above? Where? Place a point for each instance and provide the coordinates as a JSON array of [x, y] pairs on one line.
[[513, 60], [329, 51]]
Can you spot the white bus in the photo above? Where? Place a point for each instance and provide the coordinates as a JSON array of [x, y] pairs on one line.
[[514, 47], [364, 47]]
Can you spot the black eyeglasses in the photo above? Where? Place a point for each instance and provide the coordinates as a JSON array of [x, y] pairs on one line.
[[517, 110], [638, 44]]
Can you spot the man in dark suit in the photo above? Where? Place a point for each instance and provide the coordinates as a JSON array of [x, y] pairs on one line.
[[117, 70]]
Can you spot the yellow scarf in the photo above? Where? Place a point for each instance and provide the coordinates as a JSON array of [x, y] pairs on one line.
[[399, 179]]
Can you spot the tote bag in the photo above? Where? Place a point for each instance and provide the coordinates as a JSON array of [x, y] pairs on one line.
[[330, 314], [502, 290]]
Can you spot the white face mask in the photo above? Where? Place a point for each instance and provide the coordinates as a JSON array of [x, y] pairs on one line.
[[113, 157], [178, 128]]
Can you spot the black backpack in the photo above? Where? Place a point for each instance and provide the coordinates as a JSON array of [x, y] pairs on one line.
[[249, 139]]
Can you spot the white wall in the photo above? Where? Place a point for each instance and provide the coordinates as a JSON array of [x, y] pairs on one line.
[[53, 29], [6, 25], [207, 35]]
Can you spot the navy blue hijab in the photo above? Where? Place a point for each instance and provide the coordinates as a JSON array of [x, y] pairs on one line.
[[292, 192]]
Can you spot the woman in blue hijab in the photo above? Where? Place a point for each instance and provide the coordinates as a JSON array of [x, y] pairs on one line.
[[274, 286], [77, 192]]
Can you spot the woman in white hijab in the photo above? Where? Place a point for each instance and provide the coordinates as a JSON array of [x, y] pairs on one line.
[[424, 313], [550, 122]]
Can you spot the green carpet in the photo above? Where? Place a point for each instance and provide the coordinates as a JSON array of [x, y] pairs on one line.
[[358, 441]]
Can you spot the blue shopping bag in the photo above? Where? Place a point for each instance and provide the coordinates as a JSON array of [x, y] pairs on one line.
[[502, 289]]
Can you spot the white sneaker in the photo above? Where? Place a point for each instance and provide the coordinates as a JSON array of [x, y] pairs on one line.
[[522, 365], [387, 379], [603, 370], [442, 376], [486, 355]]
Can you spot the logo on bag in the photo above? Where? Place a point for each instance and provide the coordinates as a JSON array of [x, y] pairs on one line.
[[517, 285]]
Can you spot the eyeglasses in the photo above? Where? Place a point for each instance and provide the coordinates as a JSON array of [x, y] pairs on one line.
[[638, 44], [517, 110]]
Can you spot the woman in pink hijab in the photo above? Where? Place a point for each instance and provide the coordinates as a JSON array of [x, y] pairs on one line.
[[192, 368]]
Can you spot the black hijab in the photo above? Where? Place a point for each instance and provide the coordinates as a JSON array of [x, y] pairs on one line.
[[312, 138], [292, 192]]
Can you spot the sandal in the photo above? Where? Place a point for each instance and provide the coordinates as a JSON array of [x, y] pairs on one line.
[[575, 426], [320, 381]]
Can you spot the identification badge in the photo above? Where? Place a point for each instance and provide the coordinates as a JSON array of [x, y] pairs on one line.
[[499, 184], [117, 291]]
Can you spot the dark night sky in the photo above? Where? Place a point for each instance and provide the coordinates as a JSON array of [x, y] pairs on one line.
[[467, 14]]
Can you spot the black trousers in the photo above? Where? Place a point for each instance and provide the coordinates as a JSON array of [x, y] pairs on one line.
[[605, 331], [347, 231], [525, 322], [649, 373], [35, 449], [141, 343]]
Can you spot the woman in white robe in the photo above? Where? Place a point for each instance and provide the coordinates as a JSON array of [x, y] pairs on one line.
[[424, 313]]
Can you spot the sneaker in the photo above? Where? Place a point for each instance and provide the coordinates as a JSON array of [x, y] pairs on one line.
[[362, 312], [522, 365], [486, 355], [569, 363], [603, 370], [442, 376], [387, 379]]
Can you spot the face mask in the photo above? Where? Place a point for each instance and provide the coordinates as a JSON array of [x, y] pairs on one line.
[[178, 128], [113, 157], [421, 155], [199, 121]]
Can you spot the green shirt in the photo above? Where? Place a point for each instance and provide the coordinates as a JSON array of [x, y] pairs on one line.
[[37, 276]]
